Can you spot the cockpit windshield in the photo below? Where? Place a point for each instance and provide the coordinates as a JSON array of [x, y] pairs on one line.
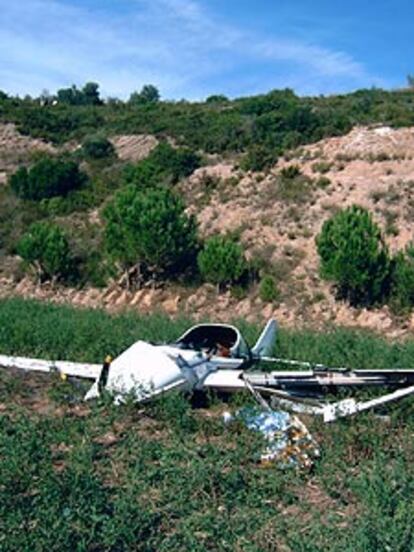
[[216, 339]]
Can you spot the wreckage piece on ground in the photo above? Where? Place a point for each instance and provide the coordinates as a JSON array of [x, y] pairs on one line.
[[147, 370], [216, 356]]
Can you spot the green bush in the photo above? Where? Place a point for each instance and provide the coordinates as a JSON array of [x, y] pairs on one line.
[[88, 95], [268, 290], [216, 99], [47, 178], [293, 187], [321, 167], [150, 229], [354, 256], [145, 174], [402, 280], [290, 172], [179, 162], [323, 182], [97, 147], [149, 94], [165, 164], [46, 248], [258, 158], [221, 261]]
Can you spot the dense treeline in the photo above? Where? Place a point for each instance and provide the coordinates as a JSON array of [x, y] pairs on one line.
[[275, 121]]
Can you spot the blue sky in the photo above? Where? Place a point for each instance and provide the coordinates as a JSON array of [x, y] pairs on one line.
[[193, 48]]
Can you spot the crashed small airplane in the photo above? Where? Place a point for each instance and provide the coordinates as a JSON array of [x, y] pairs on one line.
[[216, 356]]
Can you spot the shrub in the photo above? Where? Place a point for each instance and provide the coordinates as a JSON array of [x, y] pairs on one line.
[[88, 95], [258, 158], [293, 186], [402, 280], [145, 174], [92, 266], [268, 290], [149, 94], [46, 248], [322, 182], [216, 99], [321, 167], [151, 230], [290, 172], [354, 256], [47, 178], [221, 261], [179, 162], [165, 164], [97, 147]]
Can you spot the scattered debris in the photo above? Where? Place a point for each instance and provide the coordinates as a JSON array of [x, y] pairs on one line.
[[289, 443]]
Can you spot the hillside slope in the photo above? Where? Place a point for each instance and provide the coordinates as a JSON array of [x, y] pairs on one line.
[[373, 167]]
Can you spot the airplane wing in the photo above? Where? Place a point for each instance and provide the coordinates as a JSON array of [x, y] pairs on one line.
[[225, 380], [75, 369]]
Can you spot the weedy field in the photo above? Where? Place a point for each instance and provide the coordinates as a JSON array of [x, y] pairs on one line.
[[170, 475]]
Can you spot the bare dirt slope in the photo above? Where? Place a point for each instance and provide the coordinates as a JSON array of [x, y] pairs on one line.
[[369, 167], [133, 147], [16, 149]]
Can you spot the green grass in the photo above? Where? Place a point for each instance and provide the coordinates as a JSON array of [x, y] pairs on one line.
[[61, 332], [170, 475], [51, 331]]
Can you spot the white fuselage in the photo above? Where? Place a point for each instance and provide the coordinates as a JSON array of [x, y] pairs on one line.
[[145, 370]]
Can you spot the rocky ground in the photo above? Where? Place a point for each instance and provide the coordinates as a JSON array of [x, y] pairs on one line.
[[372, 167], [16, 148], [133, 147]]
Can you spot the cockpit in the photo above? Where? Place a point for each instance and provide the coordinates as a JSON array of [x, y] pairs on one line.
[[216, 339]]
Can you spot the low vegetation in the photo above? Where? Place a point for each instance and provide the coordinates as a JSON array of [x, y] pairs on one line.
[[292, 186], [150, 230], [170, 475], [97, 147], [321, 167], [354, 256], [45, 248], [221, 261], [47, 178], [402, 278], [278, 120], [268, 290], [258, 158], [164, 165]]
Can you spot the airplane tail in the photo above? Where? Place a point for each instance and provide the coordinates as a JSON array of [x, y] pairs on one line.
[[265, 343]]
